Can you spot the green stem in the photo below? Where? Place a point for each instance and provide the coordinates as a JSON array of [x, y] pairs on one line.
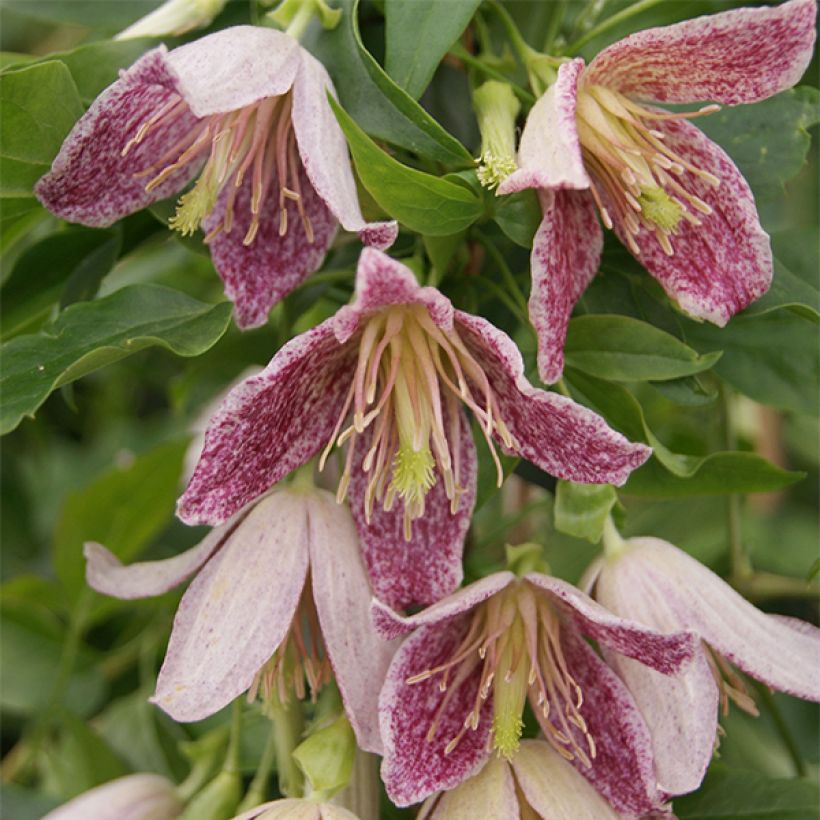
[[610, 22], [257, 791], [513, 306], [611, 539], [760, 586], [288, 724], [231, 763], [301, 20], [509, 279], [559, 10], [783, 729], [459, 52], [519, 43]]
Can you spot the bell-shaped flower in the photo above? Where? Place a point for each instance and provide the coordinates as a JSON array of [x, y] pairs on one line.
[[245, 112], [596, 142], [134, 797], [279, 606], [297, 809], [456, 688], [536, 782], [386, 377], [657, 584]]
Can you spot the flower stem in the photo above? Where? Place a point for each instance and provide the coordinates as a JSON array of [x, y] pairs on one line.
[[611, 539], [783, 729], [301, 20], [460, 53], [610, 22], [257, 791], [559, 10], [288, 722]]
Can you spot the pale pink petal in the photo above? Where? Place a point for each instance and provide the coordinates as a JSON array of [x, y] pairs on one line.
[[737, 56], [549, 155], [294, 808], [428, 566], [269, 425], [91, 182], [551, 431], [237, 611], [390, 624], [382, 281], [323, 149], [723, 265], [340, 590], [105, 572], [554, 788], [489, 794], [262, 273], [565, 256], [668, 653], [135, 797], [235, 67], [413, 766]]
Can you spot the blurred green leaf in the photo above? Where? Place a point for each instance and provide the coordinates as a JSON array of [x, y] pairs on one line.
[[25, 804], [110, 14], [90, 335], [519, 216], [790, 290], [582, 509], [418, 35]]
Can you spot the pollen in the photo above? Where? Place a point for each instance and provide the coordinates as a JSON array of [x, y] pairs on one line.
[[658, 207], [193, 207], [413, 473]]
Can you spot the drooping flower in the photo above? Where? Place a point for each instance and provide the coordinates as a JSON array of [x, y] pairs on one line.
[[456, 688], [536, 782], [279, 606], [657, 584], [596, 142], [386, 377], [297, 809], [244, 111]]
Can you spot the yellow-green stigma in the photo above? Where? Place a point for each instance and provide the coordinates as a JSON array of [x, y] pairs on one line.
[[413, 473], [193, 207], [658, 207], [496, 108], [510, 693], [493, 170]]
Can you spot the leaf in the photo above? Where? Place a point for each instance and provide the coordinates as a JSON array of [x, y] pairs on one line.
[[791, 291], [519, 216], [374, 101], [582, 509], [621, 348], [430, 205], [90, 335], [109, 14], [39, 104], [418, 34]]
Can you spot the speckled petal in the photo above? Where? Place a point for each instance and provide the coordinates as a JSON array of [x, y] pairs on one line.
[[723, 265], [489, 794], [237, 611], [554, 788], [428, 566], [549, 155], [737, 56], [565, 256], [340, 590], [269, 425], [260, 274], [413, 767], [551, 431]]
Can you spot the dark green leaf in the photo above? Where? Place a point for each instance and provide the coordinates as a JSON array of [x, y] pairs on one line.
[[582, 509], [108, 14], [790, 290], [519, 216], [25, 804]]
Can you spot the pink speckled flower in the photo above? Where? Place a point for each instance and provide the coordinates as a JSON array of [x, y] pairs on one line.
[[457, 687], [280, 600], [594, 141], [661, 586], [386, 377], [245, 111]]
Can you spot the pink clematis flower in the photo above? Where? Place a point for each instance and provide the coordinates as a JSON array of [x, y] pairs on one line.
[[659, 585], [280, 600], [457, 687], [245, 111], [386, 377], [595, 141]]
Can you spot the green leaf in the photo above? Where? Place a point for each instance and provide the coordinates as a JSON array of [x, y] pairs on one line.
[[90, 335], [621, 348], [418, 34], [430, 205], [791, 291], [26, 804], [38, 106], [746, 795], [519, 216], [377, 104], [582, 509], [108, 14]]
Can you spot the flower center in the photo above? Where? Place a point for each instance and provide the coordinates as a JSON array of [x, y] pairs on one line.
[[639, 177], [301, 660], [515, 638], [409, 379], [258, 140], [730, 685]]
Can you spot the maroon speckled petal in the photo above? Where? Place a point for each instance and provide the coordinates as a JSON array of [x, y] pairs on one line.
[[565, 256], [413, 767], [268, 425], [736, 56], [259, 275], [340, 590], [550, 154], [551, 431], [428, 566], [90, 181], [723, 265], [237, 611]]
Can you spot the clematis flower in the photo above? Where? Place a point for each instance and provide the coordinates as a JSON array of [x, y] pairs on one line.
[[659, 585], [297, 809], [279, 606], [596, 142], [536, 782], [245, 112], [456, 688], [386, 378]]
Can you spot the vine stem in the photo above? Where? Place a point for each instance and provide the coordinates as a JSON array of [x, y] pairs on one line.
[[624, 14]]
